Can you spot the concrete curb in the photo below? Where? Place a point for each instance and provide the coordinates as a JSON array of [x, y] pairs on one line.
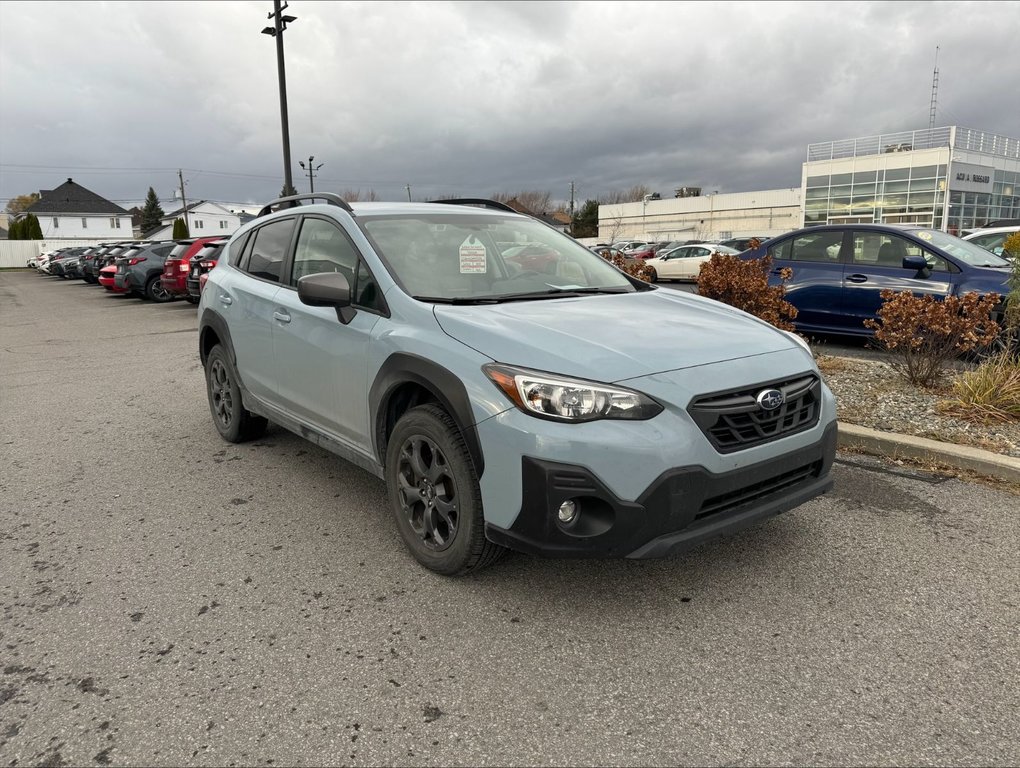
[[877, 443]]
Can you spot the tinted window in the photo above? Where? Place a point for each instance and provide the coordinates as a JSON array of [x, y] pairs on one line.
[[882, 249], [812, 246], [269, 249], [321, 247]]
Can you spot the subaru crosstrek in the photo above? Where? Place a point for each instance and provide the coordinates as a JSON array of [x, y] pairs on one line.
[[573, 411]]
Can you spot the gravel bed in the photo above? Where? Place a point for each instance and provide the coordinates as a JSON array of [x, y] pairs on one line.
[[870, 393]]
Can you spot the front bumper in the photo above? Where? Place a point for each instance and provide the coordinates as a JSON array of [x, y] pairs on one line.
[[680, 509]]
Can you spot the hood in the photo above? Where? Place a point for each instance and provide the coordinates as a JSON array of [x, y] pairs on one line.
[[611, 338]]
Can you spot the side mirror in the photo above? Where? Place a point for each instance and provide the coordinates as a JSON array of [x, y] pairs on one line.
[[917, 264], [327, 289]]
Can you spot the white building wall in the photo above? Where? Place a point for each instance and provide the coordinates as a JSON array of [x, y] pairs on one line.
[[765, 213], [88, 226]]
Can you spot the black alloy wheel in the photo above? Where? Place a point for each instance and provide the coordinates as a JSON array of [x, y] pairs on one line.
[[155, 291], [234, 423], [434, 493]]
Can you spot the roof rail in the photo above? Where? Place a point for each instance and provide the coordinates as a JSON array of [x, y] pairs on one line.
[[480, 202], [292, 202]]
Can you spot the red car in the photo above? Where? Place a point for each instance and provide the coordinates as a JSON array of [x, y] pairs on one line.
[[106, 279], [178, 265]]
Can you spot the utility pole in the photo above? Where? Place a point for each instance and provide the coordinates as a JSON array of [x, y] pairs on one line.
[[311, 172], [571, 201], [408, 188], [184, 203], [280, 24]]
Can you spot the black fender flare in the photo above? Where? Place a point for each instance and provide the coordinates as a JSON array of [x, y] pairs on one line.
[[404, 368], [212, 321]]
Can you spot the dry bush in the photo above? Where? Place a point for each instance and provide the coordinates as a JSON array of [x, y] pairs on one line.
[[924, 333], [744, 284], [989, 393], [641, 271]]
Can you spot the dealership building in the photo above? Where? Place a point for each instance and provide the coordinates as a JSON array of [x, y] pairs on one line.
[[953, 179]]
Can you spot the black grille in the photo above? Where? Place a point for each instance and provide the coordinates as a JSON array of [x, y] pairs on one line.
[[733, 420]]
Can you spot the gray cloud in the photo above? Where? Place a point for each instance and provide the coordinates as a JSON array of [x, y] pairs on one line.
[[478, 98]]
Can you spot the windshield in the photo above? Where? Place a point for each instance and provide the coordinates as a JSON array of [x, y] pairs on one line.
[[463, 258], [966, 252]]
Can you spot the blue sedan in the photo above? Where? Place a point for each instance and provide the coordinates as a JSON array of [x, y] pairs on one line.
[[840, 270]]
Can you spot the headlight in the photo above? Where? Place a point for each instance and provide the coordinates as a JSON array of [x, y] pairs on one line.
[[563, 399]]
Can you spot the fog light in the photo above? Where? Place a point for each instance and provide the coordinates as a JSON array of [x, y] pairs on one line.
[[567, 511]]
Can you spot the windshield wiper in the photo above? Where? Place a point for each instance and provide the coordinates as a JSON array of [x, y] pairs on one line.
[[552, 293]]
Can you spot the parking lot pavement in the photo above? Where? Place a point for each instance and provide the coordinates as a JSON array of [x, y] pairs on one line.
[[170, 599]]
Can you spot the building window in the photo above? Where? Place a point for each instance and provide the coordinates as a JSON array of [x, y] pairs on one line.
[[84, 223], [199, 224], [223, 225], [56, 223]]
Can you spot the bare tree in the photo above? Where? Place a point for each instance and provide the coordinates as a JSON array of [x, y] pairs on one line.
[[633, 195], [534, 200], [357, 196]]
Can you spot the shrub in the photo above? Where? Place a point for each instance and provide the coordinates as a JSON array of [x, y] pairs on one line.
[[1011, 250], [991, 392], [925, 332], [640, 271], [744, 284]]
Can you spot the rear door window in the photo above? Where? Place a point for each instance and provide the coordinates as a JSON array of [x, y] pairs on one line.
[[268, 249], [811, 246]]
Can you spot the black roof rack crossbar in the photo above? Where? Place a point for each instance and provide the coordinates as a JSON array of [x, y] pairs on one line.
[[480, 202], [292, 202]]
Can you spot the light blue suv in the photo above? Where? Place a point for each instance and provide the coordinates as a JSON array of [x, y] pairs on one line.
[[511, 388]]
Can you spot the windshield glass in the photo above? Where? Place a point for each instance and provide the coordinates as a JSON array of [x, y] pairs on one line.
[[449, 257], [966, 252]]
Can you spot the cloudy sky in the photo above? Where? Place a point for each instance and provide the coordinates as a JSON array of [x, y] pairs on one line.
[[477, 98]]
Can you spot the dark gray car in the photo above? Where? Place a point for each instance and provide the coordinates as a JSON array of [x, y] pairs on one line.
[[139, 269]]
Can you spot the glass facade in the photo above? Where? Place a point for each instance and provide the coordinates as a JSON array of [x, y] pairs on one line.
[[930, 182], [970, 210], [893, 196]]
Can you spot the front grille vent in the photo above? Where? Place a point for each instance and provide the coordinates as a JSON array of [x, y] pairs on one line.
[[733, 420]]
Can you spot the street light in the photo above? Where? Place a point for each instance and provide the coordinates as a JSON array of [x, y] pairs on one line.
[[311, 171], [276, 31]]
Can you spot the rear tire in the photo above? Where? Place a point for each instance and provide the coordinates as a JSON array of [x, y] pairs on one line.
[[434, 494], [155, 291], [234, 423]]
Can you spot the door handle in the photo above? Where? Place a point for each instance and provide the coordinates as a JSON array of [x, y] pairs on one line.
[[857, 278], [225, 299], [283, 317]]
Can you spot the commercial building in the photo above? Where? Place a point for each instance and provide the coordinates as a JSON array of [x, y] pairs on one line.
[[954, 179]]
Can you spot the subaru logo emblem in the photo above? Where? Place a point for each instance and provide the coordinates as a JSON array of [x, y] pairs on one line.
[[770, 399]]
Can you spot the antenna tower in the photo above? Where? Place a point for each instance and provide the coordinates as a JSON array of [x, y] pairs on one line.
[[934, 91]]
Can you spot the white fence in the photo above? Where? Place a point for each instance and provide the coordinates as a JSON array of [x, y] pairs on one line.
[[16, 253]]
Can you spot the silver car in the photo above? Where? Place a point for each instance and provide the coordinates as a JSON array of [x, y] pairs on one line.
[[561, 408]]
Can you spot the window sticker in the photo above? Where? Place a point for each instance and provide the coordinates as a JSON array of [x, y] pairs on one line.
[[472, 257], [924, 235]]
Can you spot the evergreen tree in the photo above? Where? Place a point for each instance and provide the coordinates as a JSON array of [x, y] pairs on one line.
[[586, 220], [152, 212], [180, 229], [287, 191], [14, 230], [32, 229]]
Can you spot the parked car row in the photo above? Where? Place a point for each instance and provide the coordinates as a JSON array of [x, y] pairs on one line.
[[155, 270]]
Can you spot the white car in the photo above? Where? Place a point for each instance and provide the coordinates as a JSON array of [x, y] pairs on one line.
[[992, 239], [684, 263]]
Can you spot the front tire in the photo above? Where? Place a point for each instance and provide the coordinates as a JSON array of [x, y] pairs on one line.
[[654, 276], [434, 493], [234, 423]]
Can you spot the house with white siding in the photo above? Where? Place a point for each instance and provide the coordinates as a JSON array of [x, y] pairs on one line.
[[72, 212], [204, 219]]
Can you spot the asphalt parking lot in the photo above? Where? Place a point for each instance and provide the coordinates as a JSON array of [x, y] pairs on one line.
[[171, 599]]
